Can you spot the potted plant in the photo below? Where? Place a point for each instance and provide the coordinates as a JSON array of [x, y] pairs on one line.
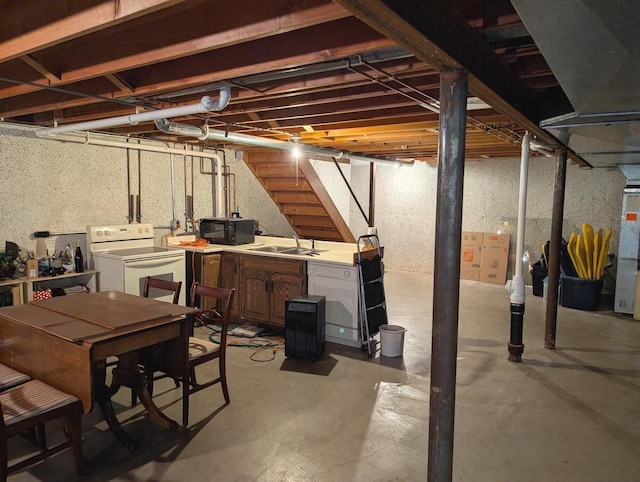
[[7, 263]]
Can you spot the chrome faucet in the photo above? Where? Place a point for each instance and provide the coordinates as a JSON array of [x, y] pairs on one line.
[[295, 236]]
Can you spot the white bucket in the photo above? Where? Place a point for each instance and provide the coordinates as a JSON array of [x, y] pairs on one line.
[[391, 340]]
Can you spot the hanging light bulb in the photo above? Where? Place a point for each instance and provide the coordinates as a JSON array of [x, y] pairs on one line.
[[296, 148]]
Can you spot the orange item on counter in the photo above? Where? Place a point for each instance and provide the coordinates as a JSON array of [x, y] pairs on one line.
[[200, 243]]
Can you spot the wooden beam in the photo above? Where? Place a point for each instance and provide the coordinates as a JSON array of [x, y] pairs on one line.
[[120, 84], [34, 26], [434, 33], [219, 65], [112, 52], [38, 67]]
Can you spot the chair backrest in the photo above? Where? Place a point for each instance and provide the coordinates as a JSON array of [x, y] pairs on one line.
[[222, 313], [162, 284]]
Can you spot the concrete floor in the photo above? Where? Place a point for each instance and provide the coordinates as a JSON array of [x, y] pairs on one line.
[[566, 415]]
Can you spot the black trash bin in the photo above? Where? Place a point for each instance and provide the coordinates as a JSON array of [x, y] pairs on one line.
[[538, 274]]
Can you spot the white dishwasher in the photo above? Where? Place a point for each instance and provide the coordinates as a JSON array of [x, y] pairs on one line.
[[339, 285]]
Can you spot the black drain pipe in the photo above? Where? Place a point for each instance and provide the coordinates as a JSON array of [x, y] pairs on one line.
[[516, 286], [446, 277]]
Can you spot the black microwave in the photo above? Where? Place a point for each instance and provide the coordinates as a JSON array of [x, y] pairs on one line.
[[231, 231]]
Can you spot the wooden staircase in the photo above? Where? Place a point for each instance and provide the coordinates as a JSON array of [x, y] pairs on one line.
[[300, 195]]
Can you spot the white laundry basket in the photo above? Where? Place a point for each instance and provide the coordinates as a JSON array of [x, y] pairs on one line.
[[391, 340]]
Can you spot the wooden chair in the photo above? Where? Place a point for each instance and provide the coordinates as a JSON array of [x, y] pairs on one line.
[[200, 351], [33, 403], [147, 357], [10, 378], [164, 285]]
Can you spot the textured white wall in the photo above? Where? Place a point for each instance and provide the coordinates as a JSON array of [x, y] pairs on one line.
[[64, 187], [335, 185], [406, 199]]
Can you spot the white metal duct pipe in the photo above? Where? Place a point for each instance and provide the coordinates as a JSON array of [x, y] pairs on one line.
[[231, 137], [205, 105], [541, 147]]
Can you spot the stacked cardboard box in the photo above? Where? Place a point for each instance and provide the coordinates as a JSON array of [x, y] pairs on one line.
[[484, 257], [470, 259]]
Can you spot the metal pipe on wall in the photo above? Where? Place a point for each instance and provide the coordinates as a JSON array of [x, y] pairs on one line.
[[446, 284], [129, 198], [139, 198], [555, 242]]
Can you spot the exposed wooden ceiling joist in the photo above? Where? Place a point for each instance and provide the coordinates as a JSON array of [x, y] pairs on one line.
[[347, 74]]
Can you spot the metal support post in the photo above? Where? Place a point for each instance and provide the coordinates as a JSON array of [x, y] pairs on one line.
[[446, 285], [554, 250]]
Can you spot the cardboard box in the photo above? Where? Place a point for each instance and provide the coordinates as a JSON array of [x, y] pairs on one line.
[[495, 255], [471, 255], [32, 268]]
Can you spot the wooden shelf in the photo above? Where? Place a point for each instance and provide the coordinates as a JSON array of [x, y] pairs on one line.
[[17, 288], [87, 277]]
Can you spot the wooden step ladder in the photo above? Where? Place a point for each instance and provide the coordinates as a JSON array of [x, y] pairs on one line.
[[299, 194]]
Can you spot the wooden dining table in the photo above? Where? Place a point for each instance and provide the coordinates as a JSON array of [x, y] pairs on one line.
[[65, 342]]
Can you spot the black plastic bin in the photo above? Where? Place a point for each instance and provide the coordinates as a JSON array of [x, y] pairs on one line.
[[580, 293], [538, 274]]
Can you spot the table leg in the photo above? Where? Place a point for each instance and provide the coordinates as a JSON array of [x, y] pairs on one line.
[[103, 397], [129, 374]]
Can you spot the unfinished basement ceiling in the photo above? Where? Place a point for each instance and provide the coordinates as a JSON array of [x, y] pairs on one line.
[[593, 47], [333, 73]]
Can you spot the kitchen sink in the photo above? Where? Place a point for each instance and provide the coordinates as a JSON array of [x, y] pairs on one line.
[[273, 249], [303, 251], [288, 250]]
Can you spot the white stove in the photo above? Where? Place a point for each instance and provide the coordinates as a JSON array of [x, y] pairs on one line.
[[124, 255]]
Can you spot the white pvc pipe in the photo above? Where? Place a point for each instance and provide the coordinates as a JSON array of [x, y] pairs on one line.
[[205, 105], [517, 285], [231, 137], [139, 147]]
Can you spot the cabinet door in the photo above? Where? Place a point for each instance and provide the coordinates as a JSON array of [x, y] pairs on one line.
[[254, 294], [284, 286], [210, 269], [229, 279]]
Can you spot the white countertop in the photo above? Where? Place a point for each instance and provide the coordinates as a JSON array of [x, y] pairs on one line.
[[333, 252]]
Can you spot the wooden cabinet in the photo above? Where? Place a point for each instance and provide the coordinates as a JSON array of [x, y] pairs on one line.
[[210, 265], [255, 294], [264, 285], [203, 268], [283, 287], [229, 278]]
